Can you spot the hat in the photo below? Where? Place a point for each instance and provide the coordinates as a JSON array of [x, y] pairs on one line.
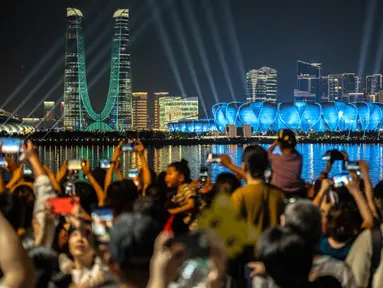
[[287, 138]]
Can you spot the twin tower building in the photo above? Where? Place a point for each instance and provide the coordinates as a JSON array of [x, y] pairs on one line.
[[79, 114]]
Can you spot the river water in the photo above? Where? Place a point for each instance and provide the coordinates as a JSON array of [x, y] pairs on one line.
[[159, 158]]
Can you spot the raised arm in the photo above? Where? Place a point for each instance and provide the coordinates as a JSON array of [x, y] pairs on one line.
[[272, 147], [146, 176], [325, 186], [62, 173], [109, 173], [14, 262], [92, 181], [368, 187], [364, 210], [53, 179], [226, 162]]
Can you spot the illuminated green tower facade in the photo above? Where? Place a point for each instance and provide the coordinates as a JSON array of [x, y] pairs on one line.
[[78, 112]]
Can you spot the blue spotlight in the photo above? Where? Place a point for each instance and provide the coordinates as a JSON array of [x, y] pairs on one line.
[[165, 40], [367, 31], [379, 53], [198, 40], [218, 46], [186, 52], [234, 43]]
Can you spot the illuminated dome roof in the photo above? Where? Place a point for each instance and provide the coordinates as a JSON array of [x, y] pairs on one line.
[[14, 126], [73, 12], [121, 13]]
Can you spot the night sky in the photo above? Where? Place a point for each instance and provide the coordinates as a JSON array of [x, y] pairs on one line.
[[251, 34]]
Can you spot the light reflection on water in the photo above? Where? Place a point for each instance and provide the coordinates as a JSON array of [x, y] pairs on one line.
[[159, 158]]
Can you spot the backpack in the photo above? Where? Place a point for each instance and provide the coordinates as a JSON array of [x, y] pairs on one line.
[[376, 239]]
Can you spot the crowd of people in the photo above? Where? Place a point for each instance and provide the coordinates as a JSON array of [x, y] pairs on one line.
[[144, 230]]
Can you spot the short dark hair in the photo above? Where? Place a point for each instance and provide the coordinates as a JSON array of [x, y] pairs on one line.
[[13, 209], [121, 195], [182, 167], [46, 262], [132, 242], [286, 256], [256, 161], [341, 224], [305, 218], [287, 139], [226, 182]]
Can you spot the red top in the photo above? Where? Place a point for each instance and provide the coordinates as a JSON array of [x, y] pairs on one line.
[[169, 224]]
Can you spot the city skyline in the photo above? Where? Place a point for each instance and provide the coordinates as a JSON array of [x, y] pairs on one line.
[[152, 69]]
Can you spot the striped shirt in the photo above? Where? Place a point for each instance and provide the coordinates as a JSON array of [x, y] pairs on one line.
[[184, 193]]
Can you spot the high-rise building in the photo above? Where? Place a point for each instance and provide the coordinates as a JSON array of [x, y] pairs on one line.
[[324, 89], [350, 84], [49, 114], [117, 113], [49, 110], [140, 110], [308, 79], [173, 109], [335, 87], [156, 108], [62, 110], [262, 85], [374, 84]]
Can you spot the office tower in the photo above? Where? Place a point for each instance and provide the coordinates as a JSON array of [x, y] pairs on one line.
[[262, 85], [335, 87], [140, 110], [62, 111], [173, 109], [117, 112], [350, 85], [156, 108], [49, 110], [324, 89], [308, 80], [49, 114], [374, 84]]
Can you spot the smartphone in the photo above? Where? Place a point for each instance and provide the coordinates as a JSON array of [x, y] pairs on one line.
[[27, 171], [133, 173], [11, 145], [63, 206], [203, 174], [102, 224], [326, 157], [105, 164], [267, 173], [74, 165], [3, 163], [341, 180], [213, 158], [196, 242], [352, 165], [70, 187], [129, 146]]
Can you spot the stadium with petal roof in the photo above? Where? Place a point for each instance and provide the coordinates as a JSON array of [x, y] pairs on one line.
[[303, 116]]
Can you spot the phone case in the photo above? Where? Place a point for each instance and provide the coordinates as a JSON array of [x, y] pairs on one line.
[[63, 205]]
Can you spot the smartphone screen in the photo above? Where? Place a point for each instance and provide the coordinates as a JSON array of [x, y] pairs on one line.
[[203, 174], [11, 145], [341, 180], [74, 165], [70, 188], [213, 158], [105, 164], [352, 165], [102, 223], [128, 146], [3, 163], [27, 171], [133, 173], [63, 206], [326, 157]]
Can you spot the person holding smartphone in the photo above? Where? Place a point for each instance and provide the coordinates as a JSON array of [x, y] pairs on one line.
[[287, 168]]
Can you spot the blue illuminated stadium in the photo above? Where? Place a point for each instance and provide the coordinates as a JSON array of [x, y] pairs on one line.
[[265, 116]]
